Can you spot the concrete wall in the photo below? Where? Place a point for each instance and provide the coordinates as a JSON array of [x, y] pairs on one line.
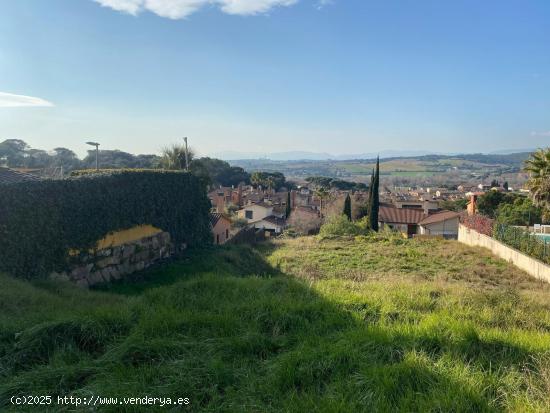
[[530, 265], [447, 227]]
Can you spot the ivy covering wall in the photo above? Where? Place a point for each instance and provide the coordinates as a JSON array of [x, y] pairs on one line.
[[40, 222]]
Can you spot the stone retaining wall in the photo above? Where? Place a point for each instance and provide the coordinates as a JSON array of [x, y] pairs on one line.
[[528, 264], [116, 262]]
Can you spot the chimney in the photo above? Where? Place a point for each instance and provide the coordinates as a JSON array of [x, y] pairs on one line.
[[472, 205], [220, 204]]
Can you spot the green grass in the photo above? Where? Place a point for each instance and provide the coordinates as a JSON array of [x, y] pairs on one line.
[[366, 324]]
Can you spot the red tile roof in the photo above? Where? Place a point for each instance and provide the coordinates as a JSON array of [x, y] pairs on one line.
[[8, 176], [439, 217], [215, 217], [393, 215]]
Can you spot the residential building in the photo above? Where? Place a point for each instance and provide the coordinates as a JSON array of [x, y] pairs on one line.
[[9, 176], [221, 227], [444, 223], [255, 212]]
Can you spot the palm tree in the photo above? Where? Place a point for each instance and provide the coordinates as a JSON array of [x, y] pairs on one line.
[[173, 157], [538, 167]]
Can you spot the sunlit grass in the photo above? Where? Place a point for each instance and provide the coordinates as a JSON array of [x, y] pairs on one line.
[[366, 324]]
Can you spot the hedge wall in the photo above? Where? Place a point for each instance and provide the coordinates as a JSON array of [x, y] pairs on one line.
[[41, 221]]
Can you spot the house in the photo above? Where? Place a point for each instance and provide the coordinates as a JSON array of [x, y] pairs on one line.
[[255, 212], [9, 176], [411, 222], [271, 224], [444, 223], [221, 226], [404, 220]]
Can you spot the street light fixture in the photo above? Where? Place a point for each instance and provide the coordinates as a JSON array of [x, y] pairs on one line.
[[96, 153]]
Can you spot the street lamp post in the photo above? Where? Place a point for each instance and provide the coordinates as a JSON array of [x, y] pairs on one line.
[[186, 155], [96, 153]]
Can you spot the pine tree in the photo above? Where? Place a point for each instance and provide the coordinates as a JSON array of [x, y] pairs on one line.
[[288, 207], [347, 207], [374, 201]]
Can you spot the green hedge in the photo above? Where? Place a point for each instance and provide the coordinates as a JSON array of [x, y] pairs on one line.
[[40, 221]]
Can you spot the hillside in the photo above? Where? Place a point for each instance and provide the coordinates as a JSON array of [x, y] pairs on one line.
[[426, 169], [372, 324]]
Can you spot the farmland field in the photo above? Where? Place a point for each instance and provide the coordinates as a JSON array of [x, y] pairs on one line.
[[373, 323]]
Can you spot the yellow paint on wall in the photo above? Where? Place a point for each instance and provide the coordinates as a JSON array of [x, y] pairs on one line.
[[127, 236]]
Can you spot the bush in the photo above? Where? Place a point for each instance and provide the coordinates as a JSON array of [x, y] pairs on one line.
[[479, 223], [340, 225], [41, 221]]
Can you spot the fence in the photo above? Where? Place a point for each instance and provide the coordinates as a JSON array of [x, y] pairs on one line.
[[523, 241], [530, 265], [516, 237]]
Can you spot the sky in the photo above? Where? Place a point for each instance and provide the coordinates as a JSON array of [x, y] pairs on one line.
[[335, 76]]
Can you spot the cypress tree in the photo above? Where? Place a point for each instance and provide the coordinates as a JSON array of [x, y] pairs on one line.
[[288, 207], [347, 207], [369, 203], [375, 196]]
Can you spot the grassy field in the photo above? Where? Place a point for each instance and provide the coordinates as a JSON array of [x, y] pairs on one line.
[[366, 324]]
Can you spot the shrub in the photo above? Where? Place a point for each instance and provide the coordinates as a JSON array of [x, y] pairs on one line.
[[41, 221], [339, 225], [479, 223]]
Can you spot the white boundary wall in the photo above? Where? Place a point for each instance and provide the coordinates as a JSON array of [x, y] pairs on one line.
[[528, 264]]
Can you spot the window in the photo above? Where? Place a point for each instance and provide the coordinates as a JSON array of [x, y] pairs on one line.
[[248, 214], [226, 234], [217, 238]]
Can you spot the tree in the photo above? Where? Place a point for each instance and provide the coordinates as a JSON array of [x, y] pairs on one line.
[[538, 167], [456, 205], [13, 151], [521, 212], [489, 202], [173, 157], [505, 185], [374, 202], [347, 207], [495, 184], [217, 172], [272, 180], [288, 206], [65, 158]]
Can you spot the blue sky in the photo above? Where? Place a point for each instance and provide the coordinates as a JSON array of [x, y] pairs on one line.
[[340, 76]]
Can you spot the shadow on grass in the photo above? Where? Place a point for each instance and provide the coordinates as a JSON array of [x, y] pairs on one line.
[[241, 260], [209, 328]]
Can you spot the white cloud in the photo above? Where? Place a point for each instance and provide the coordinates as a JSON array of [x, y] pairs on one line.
[[545, 134], [178, 9], [9, 100]]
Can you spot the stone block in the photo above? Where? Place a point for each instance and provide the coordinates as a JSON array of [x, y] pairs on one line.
[[59, 276], [164, 237], [115, 273], [128, 251], [79, 273], [95, 278]]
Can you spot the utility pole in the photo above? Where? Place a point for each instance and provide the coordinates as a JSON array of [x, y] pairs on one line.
[[96, 153], [186, 155]]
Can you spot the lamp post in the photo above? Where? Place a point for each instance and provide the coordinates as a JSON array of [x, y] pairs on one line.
[[96, 153], [186, 155]]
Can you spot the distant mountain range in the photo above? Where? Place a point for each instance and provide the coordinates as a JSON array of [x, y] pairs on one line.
[[322, 156]]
